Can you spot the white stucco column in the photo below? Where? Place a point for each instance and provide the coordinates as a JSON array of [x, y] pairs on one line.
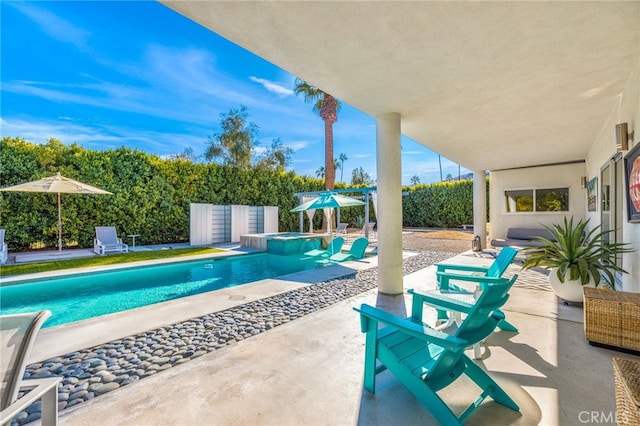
[[480, 206], [389, 215]]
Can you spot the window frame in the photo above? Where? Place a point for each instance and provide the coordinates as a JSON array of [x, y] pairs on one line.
[[535, 190]]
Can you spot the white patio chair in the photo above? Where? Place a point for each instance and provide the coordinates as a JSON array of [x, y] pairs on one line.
[[17, 335], [342, 228], [4, 250], [107, 240], [362, 233], [371, 233]]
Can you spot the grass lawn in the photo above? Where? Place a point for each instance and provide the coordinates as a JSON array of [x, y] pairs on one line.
[[112, 259]]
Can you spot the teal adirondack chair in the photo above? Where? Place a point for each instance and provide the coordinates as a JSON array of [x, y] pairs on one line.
[[334, 247], [482, 275], [356, 251], [427, 360]]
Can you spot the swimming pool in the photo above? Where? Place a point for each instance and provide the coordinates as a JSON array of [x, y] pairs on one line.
[[78, 297]]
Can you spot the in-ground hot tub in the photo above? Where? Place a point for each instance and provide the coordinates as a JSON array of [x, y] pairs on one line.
[[283, 243]]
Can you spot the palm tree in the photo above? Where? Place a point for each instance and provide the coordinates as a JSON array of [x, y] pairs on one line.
[[342, 158], [320, 172], [327, 107]]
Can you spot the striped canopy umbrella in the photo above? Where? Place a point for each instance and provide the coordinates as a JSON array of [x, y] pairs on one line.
[[57, 184]]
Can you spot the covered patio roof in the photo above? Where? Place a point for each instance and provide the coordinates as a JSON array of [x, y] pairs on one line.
[[490, 85]]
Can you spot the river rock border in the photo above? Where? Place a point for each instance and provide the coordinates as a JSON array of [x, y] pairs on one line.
[[92, 372]]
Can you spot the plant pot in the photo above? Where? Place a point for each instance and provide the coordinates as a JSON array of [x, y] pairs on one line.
[[569, 290]]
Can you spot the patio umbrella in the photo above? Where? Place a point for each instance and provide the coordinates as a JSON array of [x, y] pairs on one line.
[[57, 184], [328, 201]]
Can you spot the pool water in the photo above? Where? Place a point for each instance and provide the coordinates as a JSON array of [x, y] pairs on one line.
[[74, 298]]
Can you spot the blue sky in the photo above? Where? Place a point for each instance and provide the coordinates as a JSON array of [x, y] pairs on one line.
[[108, 74]]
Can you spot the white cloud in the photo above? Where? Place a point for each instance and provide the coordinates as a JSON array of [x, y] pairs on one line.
[[302, 160], [362, 155], [100, 137], [297, 145], [272, 87], [52, 25]]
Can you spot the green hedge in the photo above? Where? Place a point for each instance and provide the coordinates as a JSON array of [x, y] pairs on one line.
[[151, 195], [439, 205]]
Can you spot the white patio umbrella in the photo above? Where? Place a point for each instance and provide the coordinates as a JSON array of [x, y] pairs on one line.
[[60, 185], [328, 201]]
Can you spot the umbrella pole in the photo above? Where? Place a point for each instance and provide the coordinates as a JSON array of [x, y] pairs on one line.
[[59, 224]]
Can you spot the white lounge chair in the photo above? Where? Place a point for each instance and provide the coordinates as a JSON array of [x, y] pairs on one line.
[[342, 228], [107, 240], [4, 250], [367, 232], [17, 335]]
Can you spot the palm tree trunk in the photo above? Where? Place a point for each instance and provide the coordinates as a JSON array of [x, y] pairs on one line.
[[328, 112], [329, 164]]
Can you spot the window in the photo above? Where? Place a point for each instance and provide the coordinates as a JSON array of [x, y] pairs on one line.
[[537, 200], [519, 201]]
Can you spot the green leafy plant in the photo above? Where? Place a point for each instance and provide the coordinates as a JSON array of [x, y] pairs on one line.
[[577, 254]]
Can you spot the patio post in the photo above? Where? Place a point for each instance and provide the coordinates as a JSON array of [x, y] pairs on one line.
[[480, 206], [366, 215], [389, 173], [301, 218]]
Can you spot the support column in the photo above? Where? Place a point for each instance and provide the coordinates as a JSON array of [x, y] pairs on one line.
[[366, 215], [300, 198], [480, 206], [389, 216]]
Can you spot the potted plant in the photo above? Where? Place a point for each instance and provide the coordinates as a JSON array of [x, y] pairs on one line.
[[576, 258]]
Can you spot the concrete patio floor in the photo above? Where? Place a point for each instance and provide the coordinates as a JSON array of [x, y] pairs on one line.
[[309, 372]]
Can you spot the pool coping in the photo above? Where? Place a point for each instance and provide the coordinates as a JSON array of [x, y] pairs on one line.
[[88, 333], [14, 279]]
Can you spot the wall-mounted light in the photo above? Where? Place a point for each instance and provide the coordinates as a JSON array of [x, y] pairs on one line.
[[622, 137], [583, 182]]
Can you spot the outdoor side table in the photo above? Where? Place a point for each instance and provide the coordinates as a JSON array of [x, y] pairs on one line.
[[133, 237]]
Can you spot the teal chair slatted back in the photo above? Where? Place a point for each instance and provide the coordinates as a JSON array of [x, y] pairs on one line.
[[502, 262], [335, 246], [358, 248], [477, 325], [480, 322]]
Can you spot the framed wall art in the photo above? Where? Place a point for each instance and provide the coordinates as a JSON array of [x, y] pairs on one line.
[[632, 171], [592, 194]]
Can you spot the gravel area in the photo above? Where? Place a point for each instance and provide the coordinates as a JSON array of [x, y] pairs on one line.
[[91, 372], [413, 241]]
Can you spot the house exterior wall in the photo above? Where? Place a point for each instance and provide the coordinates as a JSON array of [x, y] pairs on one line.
[[557, 176], [626, 110], [603, 149]]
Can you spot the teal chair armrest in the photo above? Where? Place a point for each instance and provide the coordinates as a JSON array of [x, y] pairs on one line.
[[370, 317], [470, 268], [445, 277], [442, 301]]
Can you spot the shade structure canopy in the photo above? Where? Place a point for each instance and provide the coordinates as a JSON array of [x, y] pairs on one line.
[[328, 201], [57, 184]]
